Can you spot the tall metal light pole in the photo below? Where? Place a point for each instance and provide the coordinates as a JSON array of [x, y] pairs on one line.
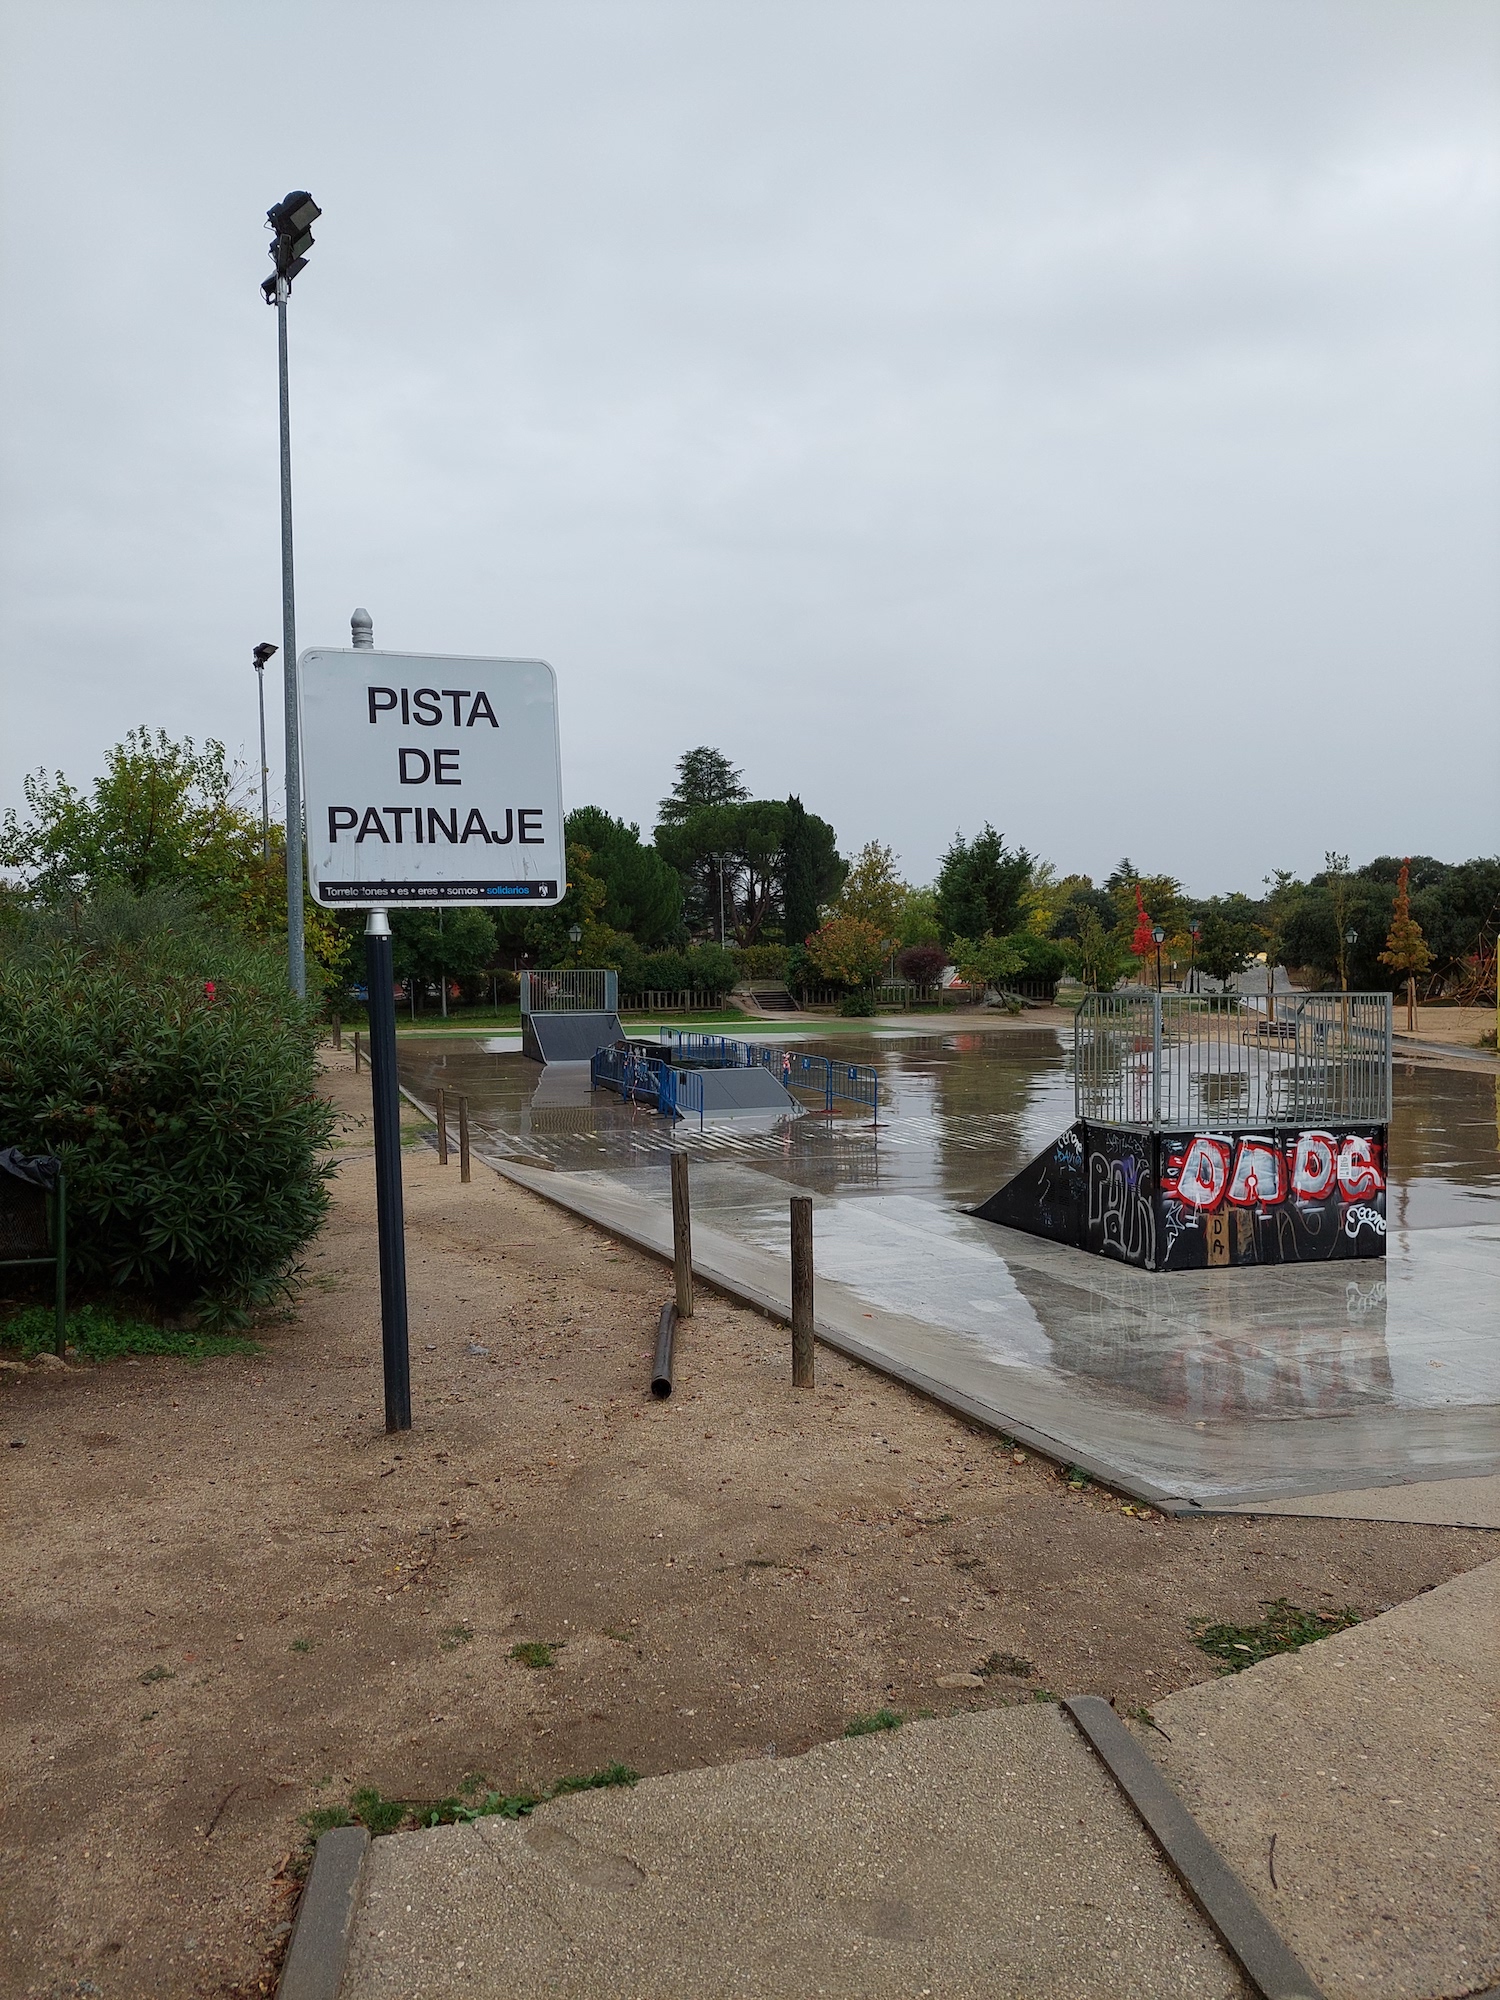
[[261, 654], [1158, 934], [1195, 931], [291, 223]]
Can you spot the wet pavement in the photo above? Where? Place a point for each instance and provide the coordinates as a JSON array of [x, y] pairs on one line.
[[1212, 1386]]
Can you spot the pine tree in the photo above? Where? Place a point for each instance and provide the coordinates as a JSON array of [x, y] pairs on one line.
[[799, 877], [1405, 947]]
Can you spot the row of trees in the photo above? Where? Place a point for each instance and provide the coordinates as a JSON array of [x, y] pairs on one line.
[[729, 883]]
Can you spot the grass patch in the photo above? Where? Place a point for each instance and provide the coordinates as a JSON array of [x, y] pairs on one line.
[[473, 1800], [1285, 1628], [300, 1646], [534, 1653], [1006, 1663], [103, 1333], [453, 1636], [154, 1674], [871, 1725]]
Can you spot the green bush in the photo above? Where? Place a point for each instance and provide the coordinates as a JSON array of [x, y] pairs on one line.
[[702, 968], [762, 961], [173, 1074]]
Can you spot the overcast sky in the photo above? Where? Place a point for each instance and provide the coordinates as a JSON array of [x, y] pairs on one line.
[[1077, 416]]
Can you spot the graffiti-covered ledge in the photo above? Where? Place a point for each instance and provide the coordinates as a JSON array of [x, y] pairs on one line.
[[1210, 1134]]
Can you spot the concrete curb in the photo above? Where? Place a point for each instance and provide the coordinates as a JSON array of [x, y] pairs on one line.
[[1268, 1962], [315, 1959]]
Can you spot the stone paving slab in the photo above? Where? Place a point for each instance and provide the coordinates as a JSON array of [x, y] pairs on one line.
[[983, 1857], [1372, 1759], [1456, 1503]]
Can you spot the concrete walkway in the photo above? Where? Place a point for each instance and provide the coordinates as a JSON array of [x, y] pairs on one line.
[[986, 1856], [1372, 1760], [1354, 1787]]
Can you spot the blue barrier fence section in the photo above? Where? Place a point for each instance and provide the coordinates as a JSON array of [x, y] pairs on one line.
[[818, 1076], [675, 1093]]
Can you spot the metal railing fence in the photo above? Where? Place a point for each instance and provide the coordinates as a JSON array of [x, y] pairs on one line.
[[820, 1076], [586, 991], [675, 1093], [1185, 1062]]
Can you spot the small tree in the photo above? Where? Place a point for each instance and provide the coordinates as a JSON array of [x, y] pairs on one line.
[[873, 891], [1098, 955], [847, 951], [1405, 947], [1143, 942], [986, 961], [922, 963]]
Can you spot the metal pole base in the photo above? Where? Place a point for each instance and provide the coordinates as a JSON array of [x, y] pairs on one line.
[[386, 1105]]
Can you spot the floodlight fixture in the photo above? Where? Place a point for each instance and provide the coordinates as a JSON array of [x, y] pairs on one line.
[[290, 221], [263, 653]]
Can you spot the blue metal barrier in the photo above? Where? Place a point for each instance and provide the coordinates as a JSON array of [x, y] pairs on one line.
[[821, 1076], [675, 1093]]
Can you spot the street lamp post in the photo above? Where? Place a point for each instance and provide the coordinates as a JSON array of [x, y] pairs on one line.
[[1351, 939], [1158, 934], [291, 223], [261, 654], [1194, 931], [575, 938]]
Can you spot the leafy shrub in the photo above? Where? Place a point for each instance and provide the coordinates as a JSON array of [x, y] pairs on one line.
[[922, 963], [100, 1334], [847, 951], [702, 968], [859, 1006], [762, 961], [173, 1074]]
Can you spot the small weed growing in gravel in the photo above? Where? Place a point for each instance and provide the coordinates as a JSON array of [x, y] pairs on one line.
[[323, 1819], [99, 1333], [612, 1774], [454, 1636], [378, 1814], [1076, 1477], [1285, 1628], [533, 1653], [300, 1646], [1006, 1663], [157, 1674], [871, 1725]]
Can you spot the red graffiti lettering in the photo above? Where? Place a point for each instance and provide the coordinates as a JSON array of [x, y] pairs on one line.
[[1359, 1168], [1199, 1182]]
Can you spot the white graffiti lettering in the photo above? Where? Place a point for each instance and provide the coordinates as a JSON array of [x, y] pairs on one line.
[[1314, 1165], [1360, 1217]]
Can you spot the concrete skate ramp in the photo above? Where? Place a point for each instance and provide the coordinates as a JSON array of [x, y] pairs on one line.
[[561, 1038], [726, 1091]]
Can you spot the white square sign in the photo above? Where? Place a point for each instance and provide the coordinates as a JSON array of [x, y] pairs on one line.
[[430, 780]]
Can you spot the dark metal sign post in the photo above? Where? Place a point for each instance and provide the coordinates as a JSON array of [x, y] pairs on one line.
[[363, 717], [389, 1215]]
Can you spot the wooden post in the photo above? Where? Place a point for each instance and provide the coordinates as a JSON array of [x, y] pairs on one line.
[[356, 1052], [463, 1138], [442, 1127], [682, 1237], [802, 1292], [338, 1032]]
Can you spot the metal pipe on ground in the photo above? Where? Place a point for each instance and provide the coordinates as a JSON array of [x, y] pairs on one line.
[[661, 1366]]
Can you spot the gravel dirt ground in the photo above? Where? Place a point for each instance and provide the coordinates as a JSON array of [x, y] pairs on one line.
[[230, 1599]]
